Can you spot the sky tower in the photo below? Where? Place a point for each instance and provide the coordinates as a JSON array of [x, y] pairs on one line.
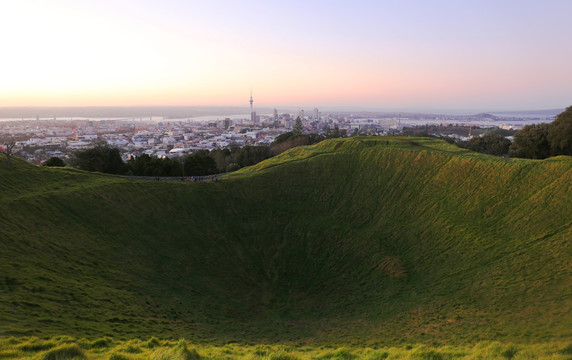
[[252, 115]]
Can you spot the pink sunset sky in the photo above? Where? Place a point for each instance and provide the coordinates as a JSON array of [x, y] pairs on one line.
[[497, 55]]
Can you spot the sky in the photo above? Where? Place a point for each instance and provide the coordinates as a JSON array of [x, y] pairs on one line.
[[483, 55]]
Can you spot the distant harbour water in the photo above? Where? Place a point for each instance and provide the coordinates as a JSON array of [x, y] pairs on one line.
[[502, 121], [204, 118], [504, 118]]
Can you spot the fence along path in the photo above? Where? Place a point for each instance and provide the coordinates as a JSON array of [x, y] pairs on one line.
[[204, 178]]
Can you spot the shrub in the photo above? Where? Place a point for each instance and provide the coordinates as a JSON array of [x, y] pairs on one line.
[[184, 352], [509, 352], [427, 354], [54, 161], [172, 354], [131, 349], [378, 355], [102, 343], [64, 353], [232, 167], [178, 352], [344, 354], [8, 354], [153, 342], [260, 351], [487, 350], [567, 350], [36, 345], [282, 355], [64, 339], [12, 341], [117, 356]]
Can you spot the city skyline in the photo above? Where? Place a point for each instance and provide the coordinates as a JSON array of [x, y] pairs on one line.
[[369, 54]]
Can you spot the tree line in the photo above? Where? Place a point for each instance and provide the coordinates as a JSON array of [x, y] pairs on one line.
[[545, 140], [106, 159], [493, 143]]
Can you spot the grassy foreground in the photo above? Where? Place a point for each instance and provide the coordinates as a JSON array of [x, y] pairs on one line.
[[360, 243], [62, 348]]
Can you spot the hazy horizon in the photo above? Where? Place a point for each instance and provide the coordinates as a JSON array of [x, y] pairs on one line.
[[410, 55], [101, 112]]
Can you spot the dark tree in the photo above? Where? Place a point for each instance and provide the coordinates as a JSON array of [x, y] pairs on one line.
[[315, 138], [138, 165], [145, 165], [222, 158], [101, 158], [7, 150], [231, 167], [492, 144], [298, 129], [54, 161], [335, 133], [531, 142], [560, 134], [199, 163], [250, 155]]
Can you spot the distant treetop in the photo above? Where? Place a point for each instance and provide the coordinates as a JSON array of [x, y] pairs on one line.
[[545, 140]]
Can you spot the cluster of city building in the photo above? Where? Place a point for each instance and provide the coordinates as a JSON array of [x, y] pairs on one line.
[[38, 140]]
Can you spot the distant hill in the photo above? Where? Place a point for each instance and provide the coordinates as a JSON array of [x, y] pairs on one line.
[[530, 113], [357, 240]]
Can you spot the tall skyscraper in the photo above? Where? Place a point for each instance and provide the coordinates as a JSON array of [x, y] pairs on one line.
[[252, 114], [275, 114]]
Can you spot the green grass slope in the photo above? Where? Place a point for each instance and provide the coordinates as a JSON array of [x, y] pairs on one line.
[[358, 241]]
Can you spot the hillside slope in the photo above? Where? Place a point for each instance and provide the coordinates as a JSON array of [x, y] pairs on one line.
[[357, 240]]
